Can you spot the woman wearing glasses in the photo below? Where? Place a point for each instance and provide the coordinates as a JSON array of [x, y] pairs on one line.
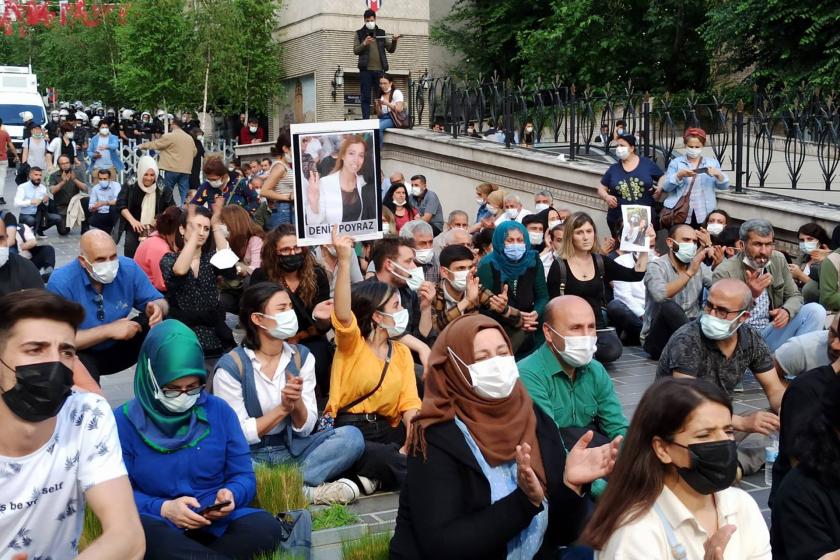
[[187, 459], [307, 284]]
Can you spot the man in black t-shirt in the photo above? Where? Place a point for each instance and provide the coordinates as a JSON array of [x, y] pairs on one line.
[[16, 272], [719, 348]]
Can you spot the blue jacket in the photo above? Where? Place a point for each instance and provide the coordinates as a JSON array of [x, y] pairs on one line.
[[221, 460], [113, 147], [678, 187]]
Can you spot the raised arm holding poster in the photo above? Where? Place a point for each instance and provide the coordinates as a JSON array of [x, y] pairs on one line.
[[634, 234], [348, 192]]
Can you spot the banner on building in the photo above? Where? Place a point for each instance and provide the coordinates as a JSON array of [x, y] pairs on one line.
[[337, 180]]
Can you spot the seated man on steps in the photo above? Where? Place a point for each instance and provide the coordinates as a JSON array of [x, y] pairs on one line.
[[108, 287], [777, 312], [719, 347], [270, 384]]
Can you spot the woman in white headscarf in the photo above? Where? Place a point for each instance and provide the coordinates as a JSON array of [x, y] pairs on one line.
[[141, 201]]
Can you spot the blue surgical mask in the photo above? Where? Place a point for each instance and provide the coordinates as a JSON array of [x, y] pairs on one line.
[[515, 251], [716, 328], [686, 252], [807, 246]]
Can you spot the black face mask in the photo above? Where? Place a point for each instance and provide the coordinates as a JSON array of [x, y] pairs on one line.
[[40, 391], [713, 467], [290, 263]]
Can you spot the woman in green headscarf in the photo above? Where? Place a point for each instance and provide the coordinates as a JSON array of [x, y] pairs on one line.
[[185, 452]]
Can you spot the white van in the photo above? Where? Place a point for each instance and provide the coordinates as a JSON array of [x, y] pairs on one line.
[[18, 94]]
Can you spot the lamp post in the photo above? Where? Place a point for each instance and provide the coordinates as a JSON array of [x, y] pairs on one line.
[[338, 81]]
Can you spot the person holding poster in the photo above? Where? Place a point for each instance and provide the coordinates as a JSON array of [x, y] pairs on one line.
[[634, 232], [345, 195]]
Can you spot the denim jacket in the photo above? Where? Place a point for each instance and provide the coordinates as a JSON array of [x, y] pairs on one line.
[[676, 188], [113, 147]]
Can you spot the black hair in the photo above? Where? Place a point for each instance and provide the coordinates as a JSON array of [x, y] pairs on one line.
[[674, 228], [284, 139], [253, 300], [370, 13], [723, 213], [483, 240], [209, 245], [452, 253], [421, 178], [533, 219], [388, 200], [729, 236], [815, 230], [367, 297], [35, 168], [37, 304]]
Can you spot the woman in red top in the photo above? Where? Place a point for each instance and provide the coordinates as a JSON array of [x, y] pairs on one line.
[[160, 242], [396, 200]]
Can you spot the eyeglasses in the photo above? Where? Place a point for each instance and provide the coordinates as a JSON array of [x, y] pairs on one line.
[[720, 312], [288, 251], [174, 393], [100, 307]]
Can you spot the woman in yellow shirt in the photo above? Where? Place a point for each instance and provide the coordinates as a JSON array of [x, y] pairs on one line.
[[372, 384]]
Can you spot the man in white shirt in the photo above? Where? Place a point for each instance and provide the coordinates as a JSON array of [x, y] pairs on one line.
[[58, 450], [32, 199], [627, 309], [513, 210]]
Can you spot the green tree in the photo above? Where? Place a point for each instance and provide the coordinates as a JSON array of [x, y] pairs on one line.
[[778, 42], [156, 66]]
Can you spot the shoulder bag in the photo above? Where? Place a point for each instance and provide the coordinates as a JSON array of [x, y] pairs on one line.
[[679, 213], [399, 118]]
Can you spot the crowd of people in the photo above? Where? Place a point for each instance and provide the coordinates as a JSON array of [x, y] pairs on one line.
[[459, 360]]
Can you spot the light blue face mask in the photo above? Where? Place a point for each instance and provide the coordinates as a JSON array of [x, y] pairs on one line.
[[515, 251], [807, 246]]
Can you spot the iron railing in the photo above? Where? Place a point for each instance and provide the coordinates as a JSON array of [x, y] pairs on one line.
[[800, 128]]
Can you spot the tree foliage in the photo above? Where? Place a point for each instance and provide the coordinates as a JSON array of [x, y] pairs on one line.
[[159, 55], [659, 44]]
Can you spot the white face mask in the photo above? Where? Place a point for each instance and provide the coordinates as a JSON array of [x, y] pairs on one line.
[[4, 256], [414, 279], [104, 272], [511, 213], [215, 183], [69, 135], [386, 228], [493, 378], [285, 324], [400, 322], [714, 229], [371, 25], [416, 191], [104, 184], [685, 252], [492, 209], [399, 202], [554, 223], [253, 129], [423, 256], [716, 328], [200, 138], [540, 206], [479, 201], [104, 132], [535, 237], [622, 152], [579, 349], [459, 279], [693, 153], [176, 405]]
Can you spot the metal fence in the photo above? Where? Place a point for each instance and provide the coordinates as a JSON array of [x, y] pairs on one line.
[[130, 154], [799, 127]]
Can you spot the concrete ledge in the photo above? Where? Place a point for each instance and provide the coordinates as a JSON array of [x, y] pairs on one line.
[[454, 166]]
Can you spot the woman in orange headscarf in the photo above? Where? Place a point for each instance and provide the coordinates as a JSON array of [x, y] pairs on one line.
[[487, 473]]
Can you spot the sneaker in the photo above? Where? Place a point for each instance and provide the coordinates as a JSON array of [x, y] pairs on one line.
[[342, 491], [368, 485]]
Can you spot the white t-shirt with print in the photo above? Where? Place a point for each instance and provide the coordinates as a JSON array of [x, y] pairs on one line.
[[42, 503], [397, 98]]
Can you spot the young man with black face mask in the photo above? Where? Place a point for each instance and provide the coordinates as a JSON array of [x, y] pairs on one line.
[[674, 285], [59, 450], [370, 45]]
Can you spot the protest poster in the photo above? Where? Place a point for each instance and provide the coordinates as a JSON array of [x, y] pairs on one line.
[[337, 180], [634, 237]]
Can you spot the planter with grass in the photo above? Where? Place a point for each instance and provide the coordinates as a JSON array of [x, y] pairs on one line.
[[373, 546]]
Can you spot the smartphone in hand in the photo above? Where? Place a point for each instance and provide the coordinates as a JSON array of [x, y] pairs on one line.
[[214, 507], [700, 170]]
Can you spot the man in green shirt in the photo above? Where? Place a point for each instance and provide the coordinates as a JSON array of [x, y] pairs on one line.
[[566, 382]]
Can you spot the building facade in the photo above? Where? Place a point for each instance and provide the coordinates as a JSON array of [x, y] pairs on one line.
[[317, 38]]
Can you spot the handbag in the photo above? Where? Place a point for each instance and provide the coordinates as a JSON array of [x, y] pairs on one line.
[[327, 421], [679, 213], [399, 118]]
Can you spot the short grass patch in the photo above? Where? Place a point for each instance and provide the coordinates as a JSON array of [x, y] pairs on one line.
[[91, 529], [277, 555], [336, 515], [279, 488], [374, 546]]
